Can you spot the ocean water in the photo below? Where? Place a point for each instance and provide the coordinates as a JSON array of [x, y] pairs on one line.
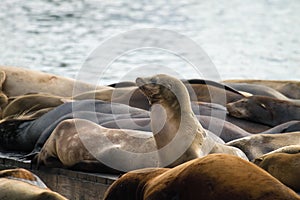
[[108, 41]]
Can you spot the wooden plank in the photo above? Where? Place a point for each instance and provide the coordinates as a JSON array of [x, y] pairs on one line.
[[74, 185]]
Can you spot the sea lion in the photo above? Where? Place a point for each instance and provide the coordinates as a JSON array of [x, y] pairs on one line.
[[257, 145], [260, 90], [25, 105], [23, 175], [265, 110], [283, 166], [286, 127], [23, 134], [20, 81], [3, 97], [289, 88], [130, 185], [172, 119], [21, 184], [217, 177]]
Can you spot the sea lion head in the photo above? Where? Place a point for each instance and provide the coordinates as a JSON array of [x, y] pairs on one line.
[[163, 88]]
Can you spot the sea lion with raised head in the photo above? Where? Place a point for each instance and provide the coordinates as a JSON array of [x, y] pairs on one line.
[[257, 145], [21, 184], [265, 110], [172, 119], [283, 164], [213, 177]]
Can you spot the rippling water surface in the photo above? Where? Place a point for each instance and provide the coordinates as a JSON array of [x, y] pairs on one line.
[[244, 39]]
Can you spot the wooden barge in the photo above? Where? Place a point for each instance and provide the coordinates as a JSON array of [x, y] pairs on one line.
[[74, 185]]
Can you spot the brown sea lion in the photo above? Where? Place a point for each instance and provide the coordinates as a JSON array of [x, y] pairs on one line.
[[283, 166], [265, 110], [178, 136], [20, 81], [3, 97], [130, 185], [213, 177], [289, 88], [257, 145], [20, 184], [27, 105]]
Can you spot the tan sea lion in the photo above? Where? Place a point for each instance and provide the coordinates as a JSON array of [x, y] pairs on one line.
[[283, 166], [289, 88], [213, 177], [257, 145], [20, 81], [21, 184], [265, 110], [172, 121]]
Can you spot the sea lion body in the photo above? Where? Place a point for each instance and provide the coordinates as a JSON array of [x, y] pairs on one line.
[[265, 110], [260, 90], [216, 177], [23, 134], [20, 81], [130, 185], [289, 88], [20, 184], [283, 166], [256, 145], [171, 119]]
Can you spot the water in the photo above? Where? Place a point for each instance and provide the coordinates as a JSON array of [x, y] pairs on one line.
[[243, 39]]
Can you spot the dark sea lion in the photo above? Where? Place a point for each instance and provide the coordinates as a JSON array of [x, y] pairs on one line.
[[286, 127], [22, 135], [265, 110], [130, 185], [219, 111], [216, 177], [212, 92], [289, 88], [257, 145], [283, 166], [20, 81], [171, 117]]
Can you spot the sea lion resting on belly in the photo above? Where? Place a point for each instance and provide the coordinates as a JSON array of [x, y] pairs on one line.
[[217, 177], [256, 145], [290, 89], [283, 164], [20, 184], [20, 81], [265, 110], [178, 136]]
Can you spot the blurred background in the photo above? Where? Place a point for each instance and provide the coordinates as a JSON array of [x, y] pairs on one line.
[[256, 39]]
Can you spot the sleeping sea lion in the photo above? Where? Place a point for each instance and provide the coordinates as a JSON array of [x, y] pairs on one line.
[[213, 177], [130, 185], [256, 145], [289, 88], [20, 184], [283, 165], [265, 110], [20, 81]]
